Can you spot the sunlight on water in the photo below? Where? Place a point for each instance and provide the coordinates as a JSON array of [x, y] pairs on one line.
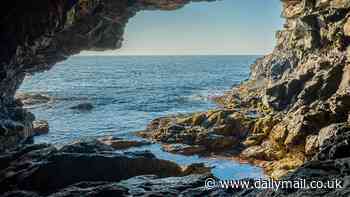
[[128, 92]]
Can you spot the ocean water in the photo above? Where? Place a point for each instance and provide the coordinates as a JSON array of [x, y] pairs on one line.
[[129, 91]]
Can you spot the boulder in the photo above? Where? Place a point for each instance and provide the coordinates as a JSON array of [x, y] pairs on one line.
[[40, 127]]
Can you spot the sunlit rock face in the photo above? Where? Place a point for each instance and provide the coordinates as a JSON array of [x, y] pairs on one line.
[[302, 89], [34, 35]]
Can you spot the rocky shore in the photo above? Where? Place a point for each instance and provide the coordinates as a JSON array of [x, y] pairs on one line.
[[93, 169], [291, 116], [295, 103]]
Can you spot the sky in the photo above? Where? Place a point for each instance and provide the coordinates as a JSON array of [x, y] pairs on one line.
[[226, 27]]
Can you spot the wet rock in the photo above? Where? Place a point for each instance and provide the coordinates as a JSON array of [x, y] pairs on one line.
[[83, 107], [40, 127], [184, 149], [214, 130], [29, 99], [118, 143]]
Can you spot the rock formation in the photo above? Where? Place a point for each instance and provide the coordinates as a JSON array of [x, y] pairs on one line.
[[300, 92], [303, 86], [42, 170], [34, 35]]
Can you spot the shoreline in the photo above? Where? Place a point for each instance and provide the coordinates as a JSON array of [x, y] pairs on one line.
[[203, 156]]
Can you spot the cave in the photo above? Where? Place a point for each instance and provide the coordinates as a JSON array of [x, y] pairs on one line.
[[301, 92]]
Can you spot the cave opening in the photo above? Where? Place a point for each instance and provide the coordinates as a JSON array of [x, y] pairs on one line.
[[163, 68], [159, 106]]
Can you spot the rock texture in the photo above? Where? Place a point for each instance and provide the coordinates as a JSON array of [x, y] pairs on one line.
[[300, 94], [34, 35], [303, 87], [88, 167], [211, 131], [299, 97]]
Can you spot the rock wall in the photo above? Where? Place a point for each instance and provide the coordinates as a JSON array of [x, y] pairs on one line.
[[302, 89], [36, 34]]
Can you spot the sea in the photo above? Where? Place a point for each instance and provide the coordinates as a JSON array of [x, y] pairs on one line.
[[127, 92]]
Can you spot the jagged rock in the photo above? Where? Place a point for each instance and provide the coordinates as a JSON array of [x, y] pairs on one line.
[[215, 130]]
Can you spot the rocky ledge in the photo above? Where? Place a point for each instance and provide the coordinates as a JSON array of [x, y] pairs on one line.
[[295, 103], [35, 35], [292, 115], [92, 169]]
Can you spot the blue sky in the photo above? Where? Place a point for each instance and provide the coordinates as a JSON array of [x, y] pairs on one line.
[[223, 27]]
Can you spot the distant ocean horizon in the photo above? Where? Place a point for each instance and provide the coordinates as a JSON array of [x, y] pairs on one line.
[[127, 92], [119, 54]]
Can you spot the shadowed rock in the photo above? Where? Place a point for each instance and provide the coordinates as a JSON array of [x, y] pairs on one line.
[[46, 169]]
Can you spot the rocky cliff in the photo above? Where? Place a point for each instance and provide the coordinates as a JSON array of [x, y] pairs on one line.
[[299, 94], [34, 35], [295, 102], [302, 88]]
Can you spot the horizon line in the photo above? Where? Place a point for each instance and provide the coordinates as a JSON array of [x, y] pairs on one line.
[[82, 55]]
